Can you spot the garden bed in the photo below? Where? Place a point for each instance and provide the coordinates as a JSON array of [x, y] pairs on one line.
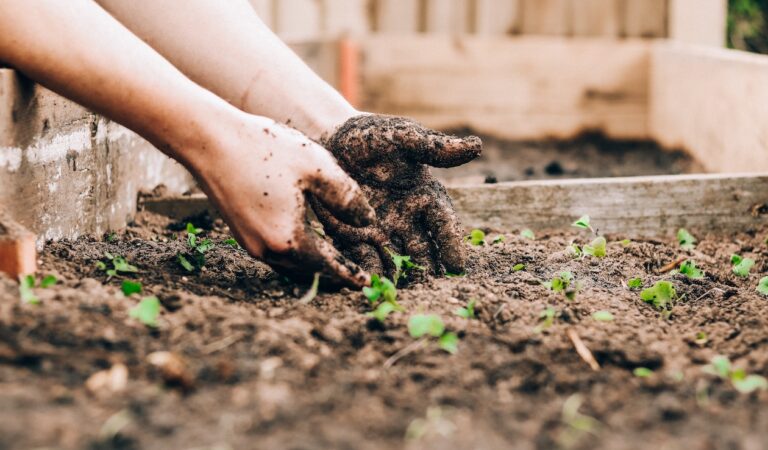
[[262, 370]]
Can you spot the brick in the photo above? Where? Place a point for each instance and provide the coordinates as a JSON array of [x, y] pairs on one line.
[[18, 255]]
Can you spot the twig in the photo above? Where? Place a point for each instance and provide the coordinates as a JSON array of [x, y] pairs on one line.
[[404, 352], [707, 293], [221, 344], [498, 311], [312, 292], [671, 266], [582, 349]]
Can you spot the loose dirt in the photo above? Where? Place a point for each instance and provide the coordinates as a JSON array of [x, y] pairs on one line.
[[251, 367]]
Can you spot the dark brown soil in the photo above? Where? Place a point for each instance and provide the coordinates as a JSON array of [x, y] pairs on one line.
[[263, 371], [588, 156]]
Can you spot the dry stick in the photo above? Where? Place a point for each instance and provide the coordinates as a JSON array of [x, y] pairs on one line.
[[221, 344], [671, 266], [707, 293], [582, 349], [403, 353]]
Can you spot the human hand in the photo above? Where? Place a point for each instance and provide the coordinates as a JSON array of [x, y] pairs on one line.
[[389, 158], [258, 173]]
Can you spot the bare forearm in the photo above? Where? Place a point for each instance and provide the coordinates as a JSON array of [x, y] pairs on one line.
[[80, 51], [227, 49]]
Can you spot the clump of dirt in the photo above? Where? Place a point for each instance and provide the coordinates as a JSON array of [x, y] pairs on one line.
[[265, 371], [590, 155]]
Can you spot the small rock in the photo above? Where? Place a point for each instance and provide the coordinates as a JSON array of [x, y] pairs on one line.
[[111, 380], [173, 369]]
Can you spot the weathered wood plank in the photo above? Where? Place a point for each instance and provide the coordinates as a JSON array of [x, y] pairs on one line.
[[596, 18], [712, 102], [700, 22], [645, 18], [447, 16], [297, 20], [494, 17], [633, 207], [397, 16], [522, 88], [547, 17], [345, 18]]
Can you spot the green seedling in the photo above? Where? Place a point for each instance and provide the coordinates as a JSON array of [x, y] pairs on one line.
[[383, 295], [232, 242], [131, 287], [689, 269], [701, 338], [120, 265], [312, 292], [383, 311], [147, 311], [603, 316], [476, 237], [596, 248], [431, 325], [194, 259], [468, 312], [111, 237], [742, 266], [403, 266], [762, 286], [499, 239], [642, 372], [721, 366], [661, 295], [28, 283], [625, 242], [576, 423], [518, 267], [564, 283], [455, 275], [528, 234], [686, 239], [575, 250], [584, 224], [546, 318], [635, 283]]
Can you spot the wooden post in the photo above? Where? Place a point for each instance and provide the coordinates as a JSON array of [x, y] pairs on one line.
[[596, 18], [497, 18], [343, 18], [701, 22], [548, 17], [447, 16], [645, 18], [349, 71], [18, 255], [397, 16]]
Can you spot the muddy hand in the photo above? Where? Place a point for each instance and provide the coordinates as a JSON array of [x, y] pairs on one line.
[[389, 158], [260, 178]]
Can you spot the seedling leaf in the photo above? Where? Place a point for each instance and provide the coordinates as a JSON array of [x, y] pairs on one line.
[[382, 289], [582, 223], [191, 229], [547, 319], [742, 266], [661, 295], [383, 311], [689, 269], [635, 283], [596, 248], [528, 234], [476, 237], [403, 265], [762, 286], [449, 342], [642, 372], [121, 265], [467, 312], [48, 281], [147, 311], [425, 324], [499, 239], [686, 239], [625, 242], [131, 287], [701, 338], [232, 242], [26, 284], [719, 366], [750, 383], [185, 263], [603, 316], [518, 267]]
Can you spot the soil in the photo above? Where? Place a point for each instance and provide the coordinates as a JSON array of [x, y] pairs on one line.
[[590, 155], [252, 367]]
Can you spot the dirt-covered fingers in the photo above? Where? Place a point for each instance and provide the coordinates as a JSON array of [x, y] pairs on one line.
[[446, 232], [338, 192], [441, 150]]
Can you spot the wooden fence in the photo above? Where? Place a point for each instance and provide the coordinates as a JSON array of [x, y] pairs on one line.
[[700, 21]]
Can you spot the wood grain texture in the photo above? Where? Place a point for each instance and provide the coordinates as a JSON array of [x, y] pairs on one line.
[[495, 17], [700, 22], [596, 18], [547, 17], [521, 88], [633, 207], [645, 18], [712, 102]]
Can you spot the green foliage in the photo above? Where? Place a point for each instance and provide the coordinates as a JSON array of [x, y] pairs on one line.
[[131, 287], [383, 295], [528, 234], [403, 266], [546, 318], [686, 239], [635, 283], [689, 269], [48, 281], [468, 312], [661, 295], [120, 265], [701, 338], [596, 248], [603, 316], [742, 266], [575, 250], [499, 239], [27, 285], [576, 423], [383, 311], [449, 342], [762, 286], [476, 237], [518, 267], [111, 237], [232, 242], [194, 259], [642, 372], [625, 242], [564, 283], [431, 325], [583, 223], [147, 311], [721, 366], [748, 25]]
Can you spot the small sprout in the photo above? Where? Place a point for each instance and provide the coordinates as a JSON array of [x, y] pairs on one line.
[[147, 311], [583, 223], [232, 242], [701, 338], [188, 266], [431, 325], [577, 423], [312, 292], [195, 258], [575, 250], [455, 275], [111, 237], [383, 311], [742, 266], [48, 281], [762, 286], [547, 318], [661, 295], [686, 239], [518, 267], [603, 316], [476, 237], [528, 234], [26, 284], [191, 229], [564, 283], [689, 269], [499, 239], [403, 266], [625, 242], [382, 289], [449, 342], [119, 265], [596, 248], [467, 312], [720, 366], [131, 287], [635, 283], [642, 372]]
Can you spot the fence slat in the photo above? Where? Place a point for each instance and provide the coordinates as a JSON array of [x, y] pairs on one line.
[[345, 18], [446, 16], [645, 18], [495, 17], [701, 22], [596, 18], [550, 17], [297, 20], [397, 16]]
